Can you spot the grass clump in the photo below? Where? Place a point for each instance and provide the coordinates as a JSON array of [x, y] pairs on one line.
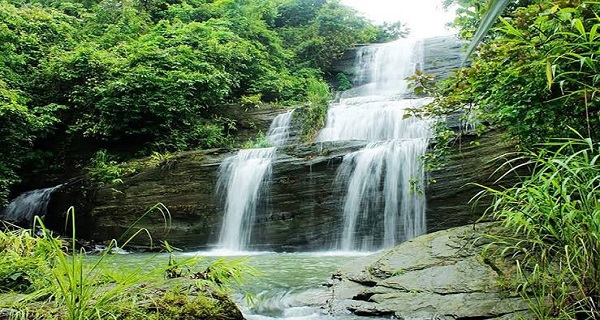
[[553, 222], [259, 142], [40, 280]]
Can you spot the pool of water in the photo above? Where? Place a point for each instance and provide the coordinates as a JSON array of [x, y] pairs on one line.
[[291, 285]]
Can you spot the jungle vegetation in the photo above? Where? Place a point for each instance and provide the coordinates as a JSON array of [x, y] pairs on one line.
[[128, 78], [535, 73], [47, 277]]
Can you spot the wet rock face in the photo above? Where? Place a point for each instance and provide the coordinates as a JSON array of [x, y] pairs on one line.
[[451, 193], [437, 276], [302, 212]]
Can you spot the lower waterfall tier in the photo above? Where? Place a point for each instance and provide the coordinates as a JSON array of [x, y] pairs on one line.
[[302, 212]]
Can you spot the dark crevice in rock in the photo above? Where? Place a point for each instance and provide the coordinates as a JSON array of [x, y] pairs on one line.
[[371, 313], [364, 296], [368, 283], [492, 265], [407, 290], [487, 317]]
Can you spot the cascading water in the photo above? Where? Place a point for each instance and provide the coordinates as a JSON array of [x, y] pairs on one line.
[[241, 178], [384, 203], [241, 181], [23, 208], [279, 131], [381, 69], [390, 164]]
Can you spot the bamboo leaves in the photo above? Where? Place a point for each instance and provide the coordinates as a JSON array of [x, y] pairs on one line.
[[494, 10]]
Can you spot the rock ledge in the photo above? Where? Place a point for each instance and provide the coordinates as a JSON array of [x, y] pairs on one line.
[[441, 275]]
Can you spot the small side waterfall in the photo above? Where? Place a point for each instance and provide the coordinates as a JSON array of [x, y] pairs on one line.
[[384, 182], [23, 208], [279, 131], [241, 180]]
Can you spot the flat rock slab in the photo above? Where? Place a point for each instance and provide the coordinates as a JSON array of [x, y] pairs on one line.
[[441, 275]]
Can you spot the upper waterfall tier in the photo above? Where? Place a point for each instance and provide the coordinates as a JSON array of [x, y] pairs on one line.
[[279, 131], [382, 69]]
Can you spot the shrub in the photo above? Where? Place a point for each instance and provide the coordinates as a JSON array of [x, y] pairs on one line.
[[314, 114], [40, 280], [554, 221]]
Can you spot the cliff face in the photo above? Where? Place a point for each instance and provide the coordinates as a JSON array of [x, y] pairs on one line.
[[302, 209]]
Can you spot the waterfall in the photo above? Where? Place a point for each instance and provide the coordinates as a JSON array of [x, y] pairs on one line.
[[385, 176], [279, 131], [23, 208], [241, 178], [384, 182], [382, 68]]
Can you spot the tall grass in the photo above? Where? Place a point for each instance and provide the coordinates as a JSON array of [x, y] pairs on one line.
[[553, 219], [39, 279]]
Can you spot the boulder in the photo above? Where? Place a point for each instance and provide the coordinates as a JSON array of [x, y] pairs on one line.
[[441, 275]]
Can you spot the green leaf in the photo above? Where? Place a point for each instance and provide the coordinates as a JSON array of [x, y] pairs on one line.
[[549, 75], [579, 26], [593, 32], [495, 9]]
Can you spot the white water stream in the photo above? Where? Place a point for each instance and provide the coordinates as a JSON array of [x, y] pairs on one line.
[[279, 131], [384, 202], [32, 203], [241, 179]]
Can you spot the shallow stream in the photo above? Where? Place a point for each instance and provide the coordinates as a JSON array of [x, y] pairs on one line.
[[291, 286]]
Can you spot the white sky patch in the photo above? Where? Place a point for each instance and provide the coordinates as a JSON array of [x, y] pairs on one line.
[[426, 18]]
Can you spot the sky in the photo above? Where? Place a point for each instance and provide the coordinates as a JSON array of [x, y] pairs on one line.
[[425, 18]]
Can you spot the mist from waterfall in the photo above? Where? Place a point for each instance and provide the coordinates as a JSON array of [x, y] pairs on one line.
[[384, 182], [242, 180]]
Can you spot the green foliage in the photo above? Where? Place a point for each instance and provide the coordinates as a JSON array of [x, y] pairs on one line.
[[492, 13], [536, 75], [313, 115], [259, 142], [390, 31], [136, 77], [444, 140], [28, 34], [23, 260], [319, 31], [554, 228], [343, 81], [251, 101], [158, 159], [104, 169]]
